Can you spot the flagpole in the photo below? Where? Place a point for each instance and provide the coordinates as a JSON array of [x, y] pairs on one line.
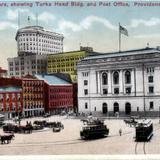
[[119, 39], [18, 20], [36, 19]]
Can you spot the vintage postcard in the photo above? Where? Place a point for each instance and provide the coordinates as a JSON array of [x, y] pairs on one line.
[[80, 79]]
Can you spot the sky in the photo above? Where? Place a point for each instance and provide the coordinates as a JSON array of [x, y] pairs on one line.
[[93, 26]]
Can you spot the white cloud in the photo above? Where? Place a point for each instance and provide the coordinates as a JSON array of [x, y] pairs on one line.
[[63, 25], [5, 25], [151, 22], [46, 17], [85, 24], [147, 36], [13, 14], [88, 21]]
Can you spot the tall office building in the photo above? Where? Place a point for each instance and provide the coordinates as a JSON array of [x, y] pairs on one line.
[[28, 64], [35, 39], [33, 45], [66, 62]]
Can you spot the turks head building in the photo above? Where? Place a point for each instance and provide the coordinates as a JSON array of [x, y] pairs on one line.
[[33, 45], [125, 82]]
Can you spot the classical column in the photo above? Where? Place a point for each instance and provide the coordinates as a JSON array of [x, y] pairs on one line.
[[99, 81], [121, 82], [109, 82], [133, 81]]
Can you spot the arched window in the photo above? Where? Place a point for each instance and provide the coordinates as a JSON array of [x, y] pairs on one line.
[[104, 108], [116, 107], [127, 108], [116, 77], [127, 77], [104, 79]]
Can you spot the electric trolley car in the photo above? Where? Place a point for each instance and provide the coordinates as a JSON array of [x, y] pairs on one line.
[[93, 128], [144, 130]]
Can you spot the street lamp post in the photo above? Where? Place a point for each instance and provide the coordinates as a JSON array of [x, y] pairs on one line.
[[144, 104], [19, 118], [159, 114]]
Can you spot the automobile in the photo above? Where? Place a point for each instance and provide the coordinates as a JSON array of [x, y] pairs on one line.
[[93, 128]]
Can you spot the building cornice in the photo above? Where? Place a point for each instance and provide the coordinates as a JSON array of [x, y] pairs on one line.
[[117, 62], [37, 30]]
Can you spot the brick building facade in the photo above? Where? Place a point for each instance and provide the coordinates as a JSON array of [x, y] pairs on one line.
[[11, 100], [33, 96], [58, 94]]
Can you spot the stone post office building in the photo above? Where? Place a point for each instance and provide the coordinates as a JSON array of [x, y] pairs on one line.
[[125, 82]]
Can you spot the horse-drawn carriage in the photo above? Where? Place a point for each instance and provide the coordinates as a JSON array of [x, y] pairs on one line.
[[41, 123], [8, 128], [132, 121], [56, 126]]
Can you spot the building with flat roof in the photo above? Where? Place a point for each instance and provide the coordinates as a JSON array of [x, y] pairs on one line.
[[29, 96], [120, 82], [66, 62], [33, 96], [33, 45], [58, 94], [27, 64], [11, 104]]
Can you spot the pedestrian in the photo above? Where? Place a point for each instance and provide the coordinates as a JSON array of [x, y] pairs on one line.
[[120, 131]]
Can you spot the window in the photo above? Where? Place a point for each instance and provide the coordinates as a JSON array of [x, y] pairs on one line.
[[85, 74], [116, 90], [128, 90], [151, 89], [116, 78], [115, 107], [104, 79], [151, 105], [85, 82], [86, 91], [86, 105], [105, 91], [127, 77], [150, 70], [150, 79]]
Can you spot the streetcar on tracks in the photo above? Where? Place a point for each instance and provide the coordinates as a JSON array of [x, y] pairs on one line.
[[93, 128], [144, 130]]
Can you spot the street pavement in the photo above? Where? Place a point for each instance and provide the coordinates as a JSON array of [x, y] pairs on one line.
[[68, 141]]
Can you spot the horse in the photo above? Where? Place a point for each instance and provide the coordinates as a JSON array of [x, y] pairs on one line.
[[6, 137], [26, 129]]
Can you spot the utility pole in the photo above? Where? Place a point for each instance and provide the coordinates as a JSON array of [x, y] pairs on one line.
[[119, 39], [144, 102]]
